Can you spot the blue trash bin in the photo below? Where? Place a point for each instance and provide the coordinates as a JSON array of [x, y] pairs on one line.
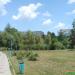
[[21, 67]]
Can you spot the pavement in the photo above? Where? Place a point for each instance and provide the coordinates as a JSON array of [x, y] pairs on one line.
[[4, 65]]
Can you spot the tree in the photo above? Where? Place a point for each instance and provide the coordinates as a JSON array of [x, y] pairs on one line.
[[53, 35], [56, 44], [7, 28], [72, 37], [1, 42], [36, 40], [10, 31], [61, 35], [64, 36], [48, 40]]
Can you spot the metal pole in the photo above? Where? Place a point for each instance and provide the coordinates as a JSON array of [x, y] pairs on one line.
[[11, 44]]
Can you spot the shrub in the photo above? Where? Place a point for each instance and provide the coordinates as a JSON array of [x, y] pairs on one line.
[[3, 49], [57, 45], [28, 53], [31, 56], [20, 55]]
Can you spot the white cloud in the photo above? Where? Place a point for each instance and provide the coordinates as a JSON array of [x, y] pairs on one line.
[[47, 22], [3, 11], [3, 2], [71, 1], [29, 11], [60, 26], [71, 13], [46, 14]]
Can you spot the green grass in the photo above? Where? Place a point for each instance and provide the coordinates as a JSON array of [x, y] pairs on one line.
[[49, 63]]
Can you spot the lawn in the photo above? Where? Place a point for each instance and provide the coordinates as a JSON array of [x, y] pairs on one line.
[[49, 63]]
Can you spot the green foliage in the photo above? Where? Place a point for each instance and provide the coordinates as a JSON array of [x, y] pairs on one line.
[[28, 53], [63, 37], [20, 55], [31, 55], [72, 36], [3, 49], [48, 38], [32, 41], [56, 44]]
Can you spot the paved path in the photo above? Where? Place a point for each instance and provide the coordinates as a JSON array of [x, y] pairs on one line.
[[4, 65]]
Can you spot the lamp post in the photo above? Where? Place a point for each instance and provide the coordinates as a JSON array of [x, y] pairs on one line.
[[10, 43]]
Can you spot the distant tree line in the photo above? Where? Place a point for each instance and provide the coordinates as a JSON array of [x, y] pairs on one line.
[[37, 40]]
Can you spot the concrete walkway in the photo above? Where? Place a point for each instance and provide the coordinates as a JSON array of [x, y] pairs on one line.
[[4, 65]]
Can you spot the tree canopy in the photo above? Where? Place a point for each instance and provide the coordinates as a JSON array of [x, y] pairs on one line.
[[36, 40]]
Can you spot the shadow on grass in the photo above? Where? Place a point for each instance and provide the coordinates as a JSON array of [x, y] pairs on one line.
[[18, 73], [69, 73]]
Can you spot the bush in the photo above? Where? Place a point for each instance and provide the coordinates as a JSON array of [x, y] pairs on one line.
[[28, 53], [57, 45], [31, 56], [20, 55], [3, 49]]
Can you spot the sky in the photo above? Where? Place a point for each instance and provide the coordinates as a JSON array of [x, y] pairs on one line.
[[37, 15]]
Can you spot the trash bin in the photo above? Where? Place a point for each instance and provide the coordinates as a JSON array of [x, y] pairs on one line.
[[21, 67]]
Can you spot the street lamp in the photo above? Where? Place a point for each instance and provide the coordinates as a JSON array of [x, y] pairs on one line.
[[10, 43]]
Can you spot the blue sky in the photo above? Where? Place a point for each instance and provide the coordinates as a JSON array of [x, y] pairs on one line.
[[37, 15]]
